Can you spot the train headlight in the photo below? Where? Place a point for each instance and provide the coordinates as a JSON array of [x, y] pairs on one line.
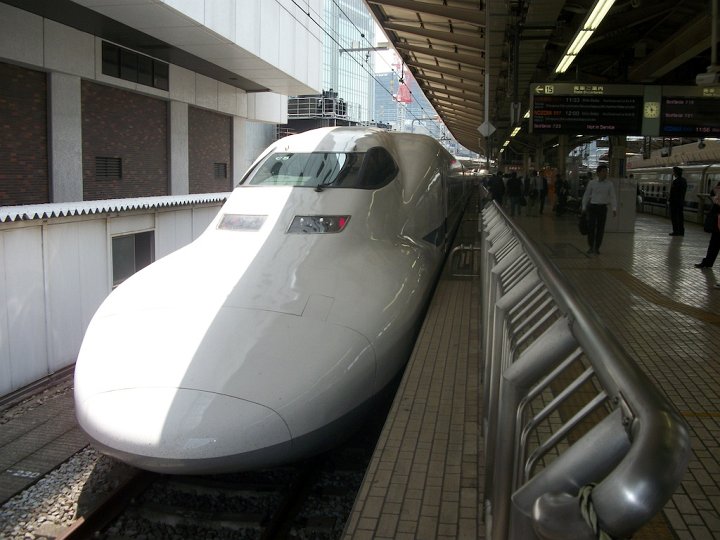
[[240, 222], [318, 224]]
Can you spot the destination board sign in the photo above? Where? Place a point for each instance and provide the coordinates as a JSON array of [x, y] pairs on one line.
[[690, 114], [587, 108]]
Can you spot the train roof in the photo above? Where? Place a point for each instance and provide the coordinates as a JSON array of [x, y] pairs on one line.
[[349, 139]]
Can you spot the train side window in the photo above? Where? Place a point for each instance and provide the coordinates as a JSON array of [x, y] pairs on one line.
[[378, 169]]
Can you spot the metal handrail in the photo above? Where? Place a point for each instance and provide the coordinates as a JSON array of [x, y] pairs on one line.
[[634, 458]]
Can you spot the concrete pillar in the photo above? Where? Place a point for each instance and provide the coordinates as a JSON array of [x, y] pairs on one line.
[[241, 161], [65, 138], [618, 148], [179, 149]]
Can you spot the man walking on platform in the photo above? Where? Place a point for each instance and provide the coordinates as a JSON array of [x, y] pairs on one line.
[[598, 194], [677, 202]]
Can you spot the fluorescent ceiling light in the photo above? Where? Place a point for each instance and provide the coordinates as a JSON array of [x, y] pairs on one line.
[[515, 131], [579, 42], [598, 14], [564, 64], [591, 23]]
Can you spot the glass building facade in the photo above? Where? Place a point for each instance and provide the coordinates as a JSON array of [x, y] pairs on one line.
[[348, 62]]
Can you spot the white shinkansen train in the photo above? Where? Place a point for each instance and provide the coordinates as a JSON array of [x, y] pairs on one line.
[[654, 186], [266, 339]]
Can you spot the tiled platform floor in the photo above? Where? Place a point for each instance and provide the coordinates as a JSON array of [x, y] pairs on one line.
[[665, 312]]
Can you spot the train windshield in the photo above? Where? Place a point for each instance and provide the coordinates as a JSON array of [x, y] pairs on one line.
[[364, 170]]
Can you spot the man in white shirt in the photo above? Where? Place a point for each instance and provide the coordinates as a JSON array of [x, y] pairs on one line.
[[598, 195]]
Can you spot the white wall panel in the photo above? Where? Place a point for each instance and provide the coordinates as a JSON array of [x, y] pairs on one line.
[[77, 270], [267, 107], [173, 230], [206, 92], [314, 63], [192, 8], [202, 218], [95, 272], [220, 17], [269, 28], [287, 29], [21, 35], [182, 84], [248, 31], [25, 305], [301, 55], [69, 50], [5, 372], [130, 224], [227, 99], [242, 103]]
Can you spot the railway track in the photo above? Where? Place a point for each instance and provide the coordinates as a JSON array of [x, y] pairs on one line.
[[307, 500]]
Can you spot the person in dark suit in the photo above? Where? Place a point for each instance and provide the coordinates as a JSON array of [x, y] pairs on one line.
[[543, 193], [678, 188], [714, 245]]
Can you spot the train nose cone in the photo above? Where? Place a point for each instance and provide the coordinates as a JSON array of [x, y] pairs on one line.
[[176, 430]]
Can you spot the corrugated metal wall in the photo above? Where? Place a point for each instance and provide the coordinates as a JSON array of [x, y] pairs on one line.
[[54, 274]]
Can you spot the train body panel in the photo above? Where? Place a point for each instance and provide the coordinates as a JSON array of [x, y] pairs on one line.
[[291, 327], [654, 185]]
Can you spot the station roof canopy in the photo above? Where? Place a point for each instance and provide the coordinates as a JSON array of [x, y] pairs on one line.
[[444, 43]]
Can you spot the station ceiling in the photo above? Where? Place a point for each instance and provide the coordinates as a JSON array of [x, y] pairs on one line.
[[444, 44]]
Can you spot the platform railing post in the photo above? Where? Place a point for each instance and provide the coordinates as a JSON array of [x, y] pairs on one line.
[[534, 328]]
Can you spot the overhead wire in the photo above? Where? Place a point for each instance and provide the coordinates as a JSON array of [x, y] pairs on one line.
[[323, 27]]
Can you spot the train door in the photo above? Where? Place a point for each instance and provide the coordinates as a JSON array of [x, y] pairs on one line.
[[711, 178]]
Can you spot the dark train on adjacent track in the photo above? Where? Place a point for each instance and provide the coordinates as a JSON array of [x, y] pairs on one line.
[[267, 338]]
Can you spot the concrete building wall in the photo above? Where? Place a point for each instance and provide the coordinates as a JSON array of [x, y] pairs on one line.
[[129, 126], [210, 138]]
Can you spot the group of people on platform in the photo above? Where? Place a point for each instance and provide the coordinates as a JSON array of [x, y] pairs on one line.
[[599, 195], [530, 192]]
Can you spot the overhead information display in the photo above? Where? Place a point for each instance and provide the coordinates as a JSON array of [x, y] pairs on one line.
[[595, 109], [690, 114]]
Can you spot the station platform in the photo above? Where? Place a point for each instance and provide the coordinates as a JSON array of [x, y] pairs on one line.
[[426, 477]]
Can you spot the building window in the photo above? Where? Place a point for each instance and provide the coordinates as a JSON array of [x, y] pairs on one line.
[[131, 253], [108, 167], [220, 170], [134, 67]]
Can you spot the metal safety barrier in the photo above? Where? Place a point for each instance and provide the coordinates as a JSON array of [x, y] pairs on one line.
[[579, 444]]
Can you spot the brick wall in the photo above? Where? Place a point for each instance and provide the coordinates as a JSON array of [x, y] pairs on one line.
[[210, 142], [24, 175], [133, 127]]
